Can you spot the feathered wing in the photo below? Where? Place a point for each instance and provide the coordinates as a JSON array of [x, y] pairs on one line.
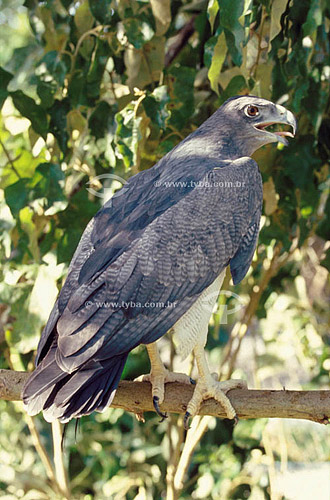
[[141, 263], [240, 263]]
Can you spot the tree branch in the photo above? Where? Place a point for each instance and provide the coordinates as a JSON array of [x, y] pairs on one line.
[[11, 384], [180, 41], [136, 397]]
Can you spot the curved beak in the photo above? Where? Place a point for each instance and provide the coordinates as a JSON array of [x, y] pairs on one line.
[[282, 116], [288, 118]]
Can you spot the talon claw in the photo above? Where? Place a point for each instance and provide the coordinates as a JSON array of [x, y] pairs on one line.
[[192, 381], [186, 420], [155, 401], [236, 420]]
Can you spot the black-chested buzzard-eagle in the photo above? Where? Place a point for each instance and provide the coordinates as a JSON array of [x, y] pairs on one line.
[[165, 238]]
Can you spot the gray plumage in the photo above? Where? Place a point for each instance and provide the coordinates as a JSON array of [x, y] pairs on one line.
[[165, 237]]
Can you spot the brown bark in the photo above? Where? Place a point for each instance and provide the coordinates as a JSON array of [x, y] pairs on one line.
[[180, 41], [136, 397]]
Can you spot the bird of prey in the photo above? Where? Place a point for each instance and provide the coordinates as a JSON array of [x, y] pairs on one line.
[[152, 261]]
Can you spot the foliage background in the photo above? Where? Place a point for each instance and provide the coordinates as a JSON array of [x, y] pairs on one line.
[[97, 87]]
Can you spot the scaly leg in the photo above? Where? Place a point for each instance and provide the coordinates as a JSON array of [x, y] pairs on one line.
[[159, 376], [208, 387]]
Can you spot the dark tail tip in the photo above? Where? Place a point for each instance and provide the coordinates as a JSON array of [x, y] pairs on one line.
[[90, 388]]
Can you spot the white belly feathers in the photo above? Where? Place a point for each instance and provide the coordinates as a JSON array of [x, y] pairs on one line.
[[191, 329]]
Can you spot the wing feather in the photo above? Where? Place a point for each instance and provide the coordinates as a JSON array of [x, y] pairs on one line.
[[155, 271]]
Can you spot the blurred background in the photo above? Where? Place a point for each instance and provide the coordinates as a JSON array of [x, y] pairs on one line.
[[92, 90]]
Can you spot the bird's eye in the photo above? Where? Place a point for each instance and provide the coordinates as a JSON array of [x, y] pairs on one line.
[[251, 110]]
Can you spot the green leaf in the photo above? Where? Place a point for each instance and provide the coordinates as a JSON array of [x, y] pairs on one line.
[[77, 88], [48, 185], [100, 119], [48, 179], [128, 134], [28, 108], [212, 11], [16, 196], [299, 161], [219, 52], [46, 91], [299, 94], [58, 122], [138, 32], [56, 67], [101, 10], [181, 90], [34, 305], [145, 65], [71, 224], [5, 78], [67, 244], [28, 225], [278, 9], [161, 10], [46, 243], [314, 18], [230, 12], [25, 165], [155, 105], [25, 333], [83, 17], [75, 121], [51, 75], [234, 87]]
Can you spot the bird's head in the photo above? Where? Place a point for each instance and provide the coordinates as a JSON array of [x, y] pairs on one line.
[[255, 122]]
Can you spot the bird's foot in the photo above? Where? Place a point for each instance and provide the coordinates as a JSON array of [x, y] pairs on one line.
[[158, 379], [209, 387]]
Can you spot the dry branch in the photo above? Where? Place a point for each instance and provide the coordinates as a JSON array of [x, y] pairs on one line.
[[136, 397]]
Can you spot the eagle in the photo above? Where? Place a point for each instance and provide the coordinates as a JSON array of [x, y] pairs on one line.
[[152, 261]]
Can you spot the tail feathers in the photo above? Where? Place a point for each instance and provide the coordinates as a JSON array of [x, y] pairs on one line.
[[42, 382], [35, 405], [76, 394]]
